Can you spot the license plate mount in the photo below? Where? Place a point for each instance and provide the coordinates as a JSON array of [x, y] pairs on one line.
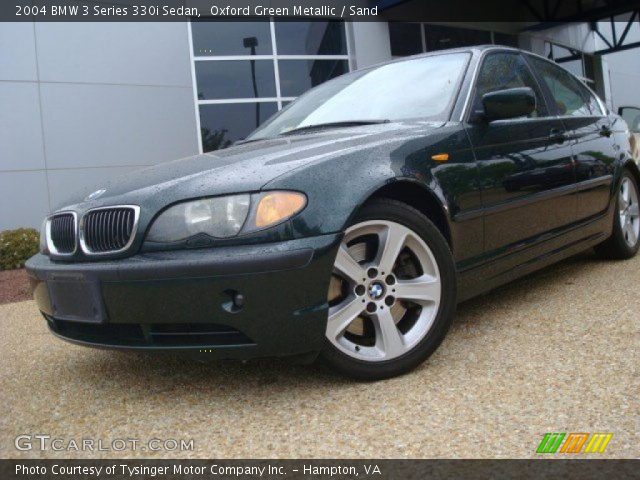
[[76, 298]]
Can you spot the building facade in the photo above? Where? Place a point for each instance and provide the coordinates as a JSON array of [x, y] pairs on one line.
[[86, 103]]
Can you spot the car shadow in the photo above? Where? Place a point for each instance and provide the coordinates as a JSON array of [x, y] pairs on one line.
[[561, 273], [177, 374]]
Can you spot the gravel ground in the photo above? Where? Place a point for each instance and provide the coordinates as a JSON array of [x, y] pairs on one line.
[[14, 286], [555, 352]]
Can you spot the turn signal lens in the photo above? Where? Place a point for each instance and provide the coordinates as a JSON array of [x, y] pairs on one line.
[[276, 207], [440, 157]]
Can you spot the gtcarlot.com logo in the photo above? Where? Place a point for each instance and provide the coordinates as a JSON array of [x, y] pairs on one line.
[[56, 444]]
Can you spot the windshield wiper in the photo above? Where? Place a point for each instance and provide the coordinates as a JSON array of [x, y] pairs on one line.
[[346, 123], [244, 141]]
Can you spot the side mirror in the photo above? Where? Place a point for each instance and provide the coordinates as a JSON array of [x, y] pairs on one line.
[[509, 103], [631, 115]]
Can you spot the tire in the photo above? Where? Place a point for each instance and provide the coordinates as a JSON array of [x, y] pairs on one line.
[[384, 323], [623, 242]]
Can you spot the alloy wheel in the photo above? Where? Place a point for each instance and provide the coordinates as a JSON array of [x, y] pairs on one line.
[[629, 212], [384, 293]]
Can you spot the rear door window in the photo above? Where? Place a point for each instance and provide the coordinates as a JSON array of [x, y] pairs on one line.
[[570, 96]]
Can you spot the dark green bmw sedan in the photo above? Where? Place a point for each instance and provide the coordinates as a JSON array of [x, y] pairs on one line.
[[351, 223]]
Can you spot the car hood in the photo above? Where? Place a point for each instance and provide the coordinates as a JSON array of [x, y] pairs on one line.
[[244, 167]]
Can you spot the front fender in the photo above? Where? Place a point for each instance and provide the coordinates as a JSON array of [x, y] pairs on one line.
[[336, 190], [338, 186], [402, 188]]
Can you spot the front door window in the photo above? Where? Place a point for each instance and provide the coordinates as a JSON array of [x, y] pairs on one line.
[[505, 70]]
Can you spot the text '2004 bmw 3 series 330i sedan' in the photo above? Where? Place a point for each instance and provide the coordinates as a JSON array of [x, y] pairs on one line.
[[350, 224]]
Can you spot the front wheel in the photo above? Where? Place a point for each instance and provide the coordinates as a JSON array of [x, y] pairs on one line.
[[623, 242], [392, 294]]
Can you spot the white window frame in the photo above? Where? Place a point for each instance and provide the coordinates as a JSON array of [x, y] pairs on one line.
[[275, 57]]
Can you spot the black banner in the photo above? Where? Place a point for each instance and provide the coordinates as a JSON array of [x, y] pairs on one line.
[[317, 469], [530, 11]]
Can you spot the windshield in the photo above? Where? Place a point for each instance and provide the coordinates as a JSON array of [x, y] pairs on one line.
[[422, 88]]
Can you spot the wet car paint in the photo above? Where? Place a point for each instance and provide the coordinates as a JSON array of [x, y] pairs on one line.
[[510, 200]]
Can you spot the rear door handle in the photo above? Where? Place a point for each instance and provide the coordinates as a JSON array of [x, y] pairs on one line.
[[557, 136]]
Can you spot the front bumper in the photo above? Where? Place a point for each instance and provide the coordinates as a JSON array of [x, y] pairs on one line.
[[183, 300]]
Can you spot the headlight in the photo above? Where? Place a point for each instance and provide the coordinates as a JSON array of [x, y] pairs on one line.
[[224, 217], [220, 217], [43, 237]]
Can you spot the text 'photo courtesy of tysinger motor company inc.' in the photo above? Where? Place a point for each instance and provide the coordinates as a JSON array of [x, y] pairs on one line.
[[319, 239]]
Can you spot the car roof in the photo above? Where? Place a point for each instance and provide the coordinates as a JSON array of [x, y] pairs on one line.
[[474, 49]]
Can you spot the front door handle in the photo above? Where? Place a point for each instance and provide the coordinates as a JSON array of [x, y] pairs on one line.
[[605, 131], [557, 136]]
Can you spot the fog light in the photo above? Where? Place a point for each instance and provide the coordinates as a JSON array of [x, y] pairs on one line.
[[238, 300], [232, 301]]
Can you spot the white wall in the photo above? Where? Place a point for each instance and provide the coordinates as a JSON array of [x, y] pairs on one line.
[[370, 43], [83, 103], [624, 68]]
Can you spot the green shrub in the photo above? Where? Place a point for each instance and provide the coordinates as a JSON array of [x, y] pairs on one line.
[[16, 246]]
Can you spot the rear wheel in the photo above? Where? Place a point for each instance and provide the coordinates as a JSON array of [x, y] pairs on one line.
[[392, 293], [623, 242]]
